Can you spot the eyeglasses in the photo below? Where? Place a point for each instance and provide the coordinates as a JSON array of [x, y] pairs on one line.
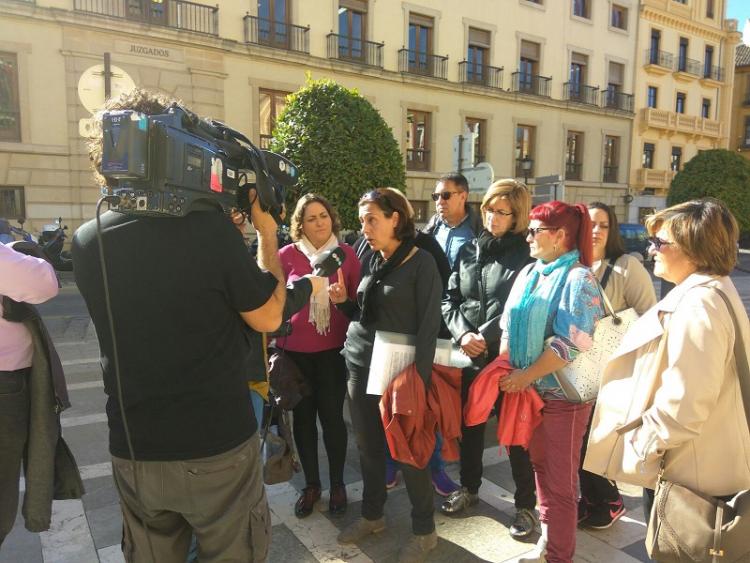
[[502, 213], [445, 195], [657, 243], [532, 232]]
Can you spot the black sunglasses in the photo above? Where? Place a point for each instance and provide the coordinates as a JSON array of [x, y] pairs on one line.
[[531, 231], [445, 195], [657, 243]]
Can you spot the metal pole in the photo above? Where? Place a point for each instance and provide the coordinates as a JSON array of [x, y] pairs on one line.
[[107, 77]]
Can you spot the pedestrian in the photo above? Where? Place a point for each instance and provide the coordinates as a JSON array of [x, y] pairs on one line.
[[674, 376], [627, 284], [482, 277], [400, 292], [548, 320], [317, 337]]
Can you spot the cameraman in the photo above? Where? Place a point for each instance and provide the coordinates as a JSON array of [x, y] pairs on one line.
[[184, 297]]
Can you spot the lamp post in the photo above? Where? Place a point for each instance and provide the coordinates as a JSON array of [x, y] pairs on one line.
[[526, 164]]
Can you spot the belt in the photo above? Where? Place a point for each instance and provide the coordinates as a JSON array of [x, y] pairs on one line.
[[23, 372]]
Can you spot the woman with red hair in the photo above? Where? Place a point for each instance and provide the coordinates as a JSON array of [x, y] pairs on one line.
[[548, 320]]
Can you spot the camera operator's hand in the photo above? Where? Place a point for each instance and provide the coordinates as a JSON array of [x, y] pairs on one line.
[[318, 283], [262, 221]]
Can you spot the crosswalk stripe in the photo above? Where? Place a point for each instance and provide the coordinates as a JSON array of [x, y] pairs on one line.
[[82, 361], [85, 385], [70, 421]]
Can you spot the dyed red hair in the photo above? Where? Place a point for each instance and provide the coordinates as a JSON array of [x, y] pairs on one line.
[[574, 219]]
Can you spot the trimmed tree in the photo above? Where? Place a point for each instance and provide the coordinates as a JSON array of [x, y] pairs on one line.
[[341, 144], [718, 173]]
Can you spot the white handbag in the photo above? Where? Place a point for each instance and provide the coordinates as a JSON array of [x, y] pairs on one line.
[[580, 378]]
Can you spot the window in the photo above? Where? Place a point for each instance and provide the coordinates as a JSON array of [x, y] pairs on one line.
[[682, 55], [528, 66], [574, 155], [619, 17], [578, 64], [272, 103], [525, 139], [417, 140], [651, 97], [273, 20], [681, 1], [679, 105], [708, 61], [352, 28], [420, 44], [151, 11], [420, 210], [676, 161], [478, 55], [478, 126], [648, 155], [12, 203], [614, 84], [10, 121], [654, 47], [746, 140], [611, 158], [706, 108], [582, 9], [710, 9]]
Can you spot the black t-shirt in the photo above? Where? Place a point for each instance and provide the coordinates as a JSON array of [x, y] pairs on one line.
[[176, 286]]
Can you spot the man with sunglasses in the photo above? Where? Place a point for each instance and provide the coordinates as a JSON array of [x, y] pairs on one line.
[[454, 222]]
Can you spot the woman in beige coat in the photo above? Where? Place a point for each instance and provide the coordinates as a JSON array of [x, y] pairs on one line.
[[671, 390]]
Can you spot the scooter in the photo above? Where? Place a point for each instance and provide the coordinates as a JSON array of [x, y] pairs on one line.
[[9, 233], [52, 239]]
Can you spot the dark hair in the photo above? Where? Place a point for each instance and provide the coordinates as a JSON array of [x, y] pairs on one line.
[[615, 245], [138, 99], [459, 179], [299, 215], [574, 219], [390, 200]]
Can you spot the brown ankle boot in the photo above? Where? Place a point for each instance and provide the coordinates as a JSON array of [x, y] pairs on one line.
[[306, 501]]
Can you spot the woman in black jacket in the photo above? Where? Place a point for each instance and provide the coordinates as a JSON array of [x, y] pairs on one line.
[[480, 283]]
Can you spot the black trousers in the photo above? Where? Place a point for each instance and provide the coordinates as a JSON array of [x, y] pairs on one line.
[[472, 448], [325, 374], [14, 423], [368, 430], [596, 489]]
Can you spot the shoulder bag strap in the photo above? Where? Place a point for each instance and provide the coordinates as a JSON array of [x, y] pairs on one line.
[[607, 272]]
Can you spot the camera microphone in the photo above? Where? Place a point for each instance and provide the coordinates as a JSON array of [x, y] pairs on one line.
[[328, 262]]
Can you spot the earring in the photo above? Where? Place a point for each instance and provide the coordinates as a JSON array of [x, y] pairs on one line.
[[554, 247]]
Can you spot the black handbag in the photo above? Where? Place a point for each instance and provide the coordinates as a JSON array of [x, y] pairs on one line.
[[688, 526]]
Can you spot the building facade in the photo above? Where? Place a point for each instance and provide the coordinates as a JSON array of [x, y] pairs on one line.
[[739, 139], [683, 91], [547, 85]]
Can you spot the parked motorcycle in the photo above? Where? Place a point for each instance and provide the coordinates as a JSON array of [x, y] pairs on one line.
[[52, 240]]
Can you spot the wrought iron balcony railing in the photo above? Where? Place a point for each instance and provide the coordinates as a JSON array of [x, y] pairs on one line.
[[573, 170], [713, 73], [531, 84], [280, 35], [355, 50], [483, 75], [613, 99], [178, 14], [417, 159], [689, 66], [659, 58], [581, 93], [610, 174], [425, 64]]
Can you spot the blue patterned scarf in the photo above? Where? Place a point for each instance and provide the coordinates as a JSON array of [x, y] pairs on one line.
[[528, 317]]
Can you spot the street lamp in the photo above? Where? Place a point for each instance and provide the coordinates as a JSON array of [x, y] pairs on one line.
[[526, 164]]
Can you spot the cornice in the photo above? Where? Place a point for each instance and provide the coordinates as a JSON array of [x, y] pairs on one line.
[[689, 26]]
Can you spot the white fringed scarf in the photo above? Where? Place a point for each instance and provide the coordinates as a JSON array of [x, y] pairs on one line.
[[320, 305]]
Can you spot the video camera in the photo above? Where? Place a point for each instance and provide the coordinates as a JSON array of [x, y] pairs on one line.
[[173, 163]]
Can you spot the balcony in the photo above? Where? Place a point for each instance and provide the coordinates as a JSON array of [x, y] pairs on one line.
[[280, 35], [681, 123], [612, 99], [580, 93], [177, 14], [573, 170], [712, 76], [610, 174], [688, 69], [531, 84], [418, 159], [481, 75], [650, 178], [658, 62], [355, 50], [424, 64]]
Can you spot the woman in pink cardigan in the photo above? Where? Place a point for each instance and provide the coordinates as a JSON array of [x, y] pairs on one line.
[[315, 343]]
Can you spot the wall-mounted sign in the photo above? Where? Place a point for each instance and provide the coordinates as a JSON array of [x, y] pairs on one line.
[[149, 50], [91, 86]]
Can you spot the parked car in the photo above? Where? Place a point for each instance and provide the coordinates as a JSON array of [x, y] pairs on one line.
[[636, 240]]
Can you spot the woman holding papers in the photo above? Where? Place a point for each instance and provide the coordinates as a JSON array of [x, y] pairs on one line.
[[548, 320], [400, 292], [480, 283]]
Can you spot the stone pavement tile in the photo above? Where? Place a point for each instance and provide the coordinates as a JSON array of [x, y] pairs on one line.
[[637, 550], [100, 492], [286, 548], [68, 539], [86, 401], [111, 554], [81, 373], [20, 545], [590, 549], [89, 443], [106, 525]]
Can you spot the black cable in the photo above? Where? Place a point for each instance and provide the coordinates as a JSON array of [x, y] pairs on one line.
[[113, 199]]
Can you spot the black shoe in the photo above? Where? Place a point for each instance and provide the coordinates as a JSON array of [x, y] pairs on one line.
[[306, 502], [604, 515], [584, 510], [458, 500], [524, 523]]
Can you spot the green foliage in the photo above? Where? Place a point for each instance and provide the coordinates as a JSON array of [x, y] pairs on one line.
[[718, 173], [341, 144]]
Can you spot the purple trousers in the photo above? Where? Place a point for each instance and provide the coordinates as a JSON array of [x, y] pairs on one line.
[[555, 451]]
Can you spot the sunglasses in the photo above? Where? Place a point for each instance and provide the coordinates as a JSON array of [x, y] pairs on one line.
[[444, 195], [657, 243], [532, 232]]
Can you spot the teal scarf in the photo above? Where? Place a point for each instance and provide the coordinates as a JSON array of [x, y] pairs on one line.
[[528, 317]]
